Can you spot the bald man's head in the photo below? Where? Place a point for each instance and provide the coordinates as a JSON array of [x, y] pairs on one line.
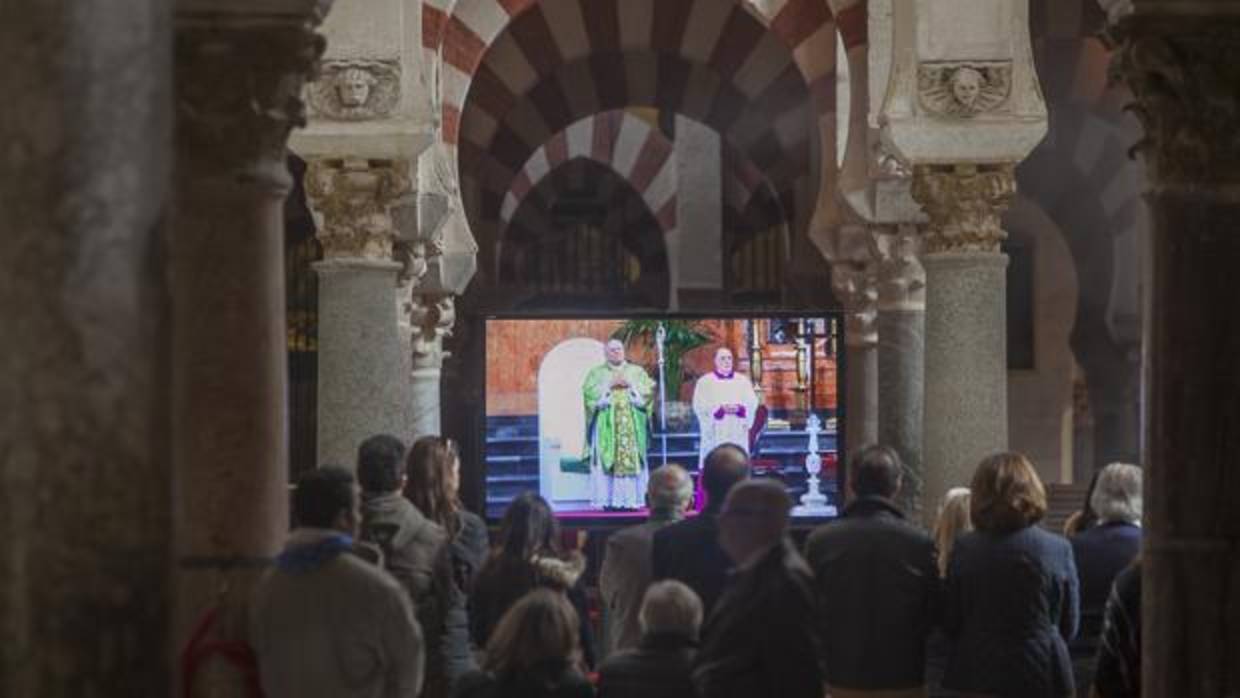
[[754, 517], [723, 467]]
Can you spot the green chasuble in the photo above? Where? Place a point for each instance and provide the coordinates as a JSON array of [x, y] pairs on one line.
[[619, 432]]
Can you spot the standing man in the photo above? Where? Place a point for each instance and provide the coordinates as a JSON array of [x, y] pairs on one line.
[[688, 551], [878, 587], [724, 402], [617, 401], [325, 623], [761, 639], [626, 564]]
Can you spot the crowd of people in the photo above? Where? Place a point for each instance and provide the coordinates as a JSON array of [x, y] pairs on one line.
[[388, 587]]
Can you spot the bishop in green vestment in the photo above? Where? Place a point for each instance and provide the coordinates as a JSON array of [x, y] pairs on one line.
[[617, 398]]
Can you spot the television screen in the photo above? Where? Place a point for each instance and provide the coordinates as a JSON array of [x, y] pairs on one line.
[[582, 409]]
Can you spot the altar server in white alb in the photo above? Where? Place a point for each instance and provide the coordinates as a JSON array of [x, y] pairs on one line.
[[724, 402]]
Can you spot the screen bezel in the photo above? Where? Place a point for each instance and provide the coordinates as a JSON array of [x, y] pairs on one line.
[[613, 522]]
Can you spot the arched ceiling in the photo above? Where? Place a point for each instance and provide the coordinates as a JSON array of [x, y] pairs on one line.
[[515, 73]]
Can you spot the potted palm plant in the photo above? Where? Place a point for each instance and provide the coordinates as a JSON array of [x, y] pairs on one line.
[[682, 337]]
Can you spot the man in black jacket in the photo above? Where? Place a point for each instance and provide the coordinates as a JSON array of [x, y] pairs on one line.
[[662, 663], [877, 584], [688, 551], [761, 640]]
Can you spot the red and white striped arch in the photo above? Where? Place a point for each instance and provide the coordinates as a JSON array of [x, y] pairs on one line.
[[628, 145], [513, 73]]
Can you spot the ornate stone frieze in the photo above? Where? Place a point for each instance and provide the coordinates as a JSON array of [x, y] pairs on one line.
[[238, 93], [355, 89], [901, 278], [1184, 73], [354, 196], [431, 318], [963, 89], [964, 204]]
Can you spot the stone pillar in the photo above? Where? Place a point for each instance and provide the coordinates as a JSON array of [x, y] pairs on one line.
[[238, 78], [966, 320], [430, 319], [363, 384], [901, 354], [853, 278], [84, 510], [1184, 71]]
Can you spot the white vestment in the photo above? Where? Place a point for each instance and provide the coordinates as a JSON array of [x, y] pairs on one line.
[[710, 395]]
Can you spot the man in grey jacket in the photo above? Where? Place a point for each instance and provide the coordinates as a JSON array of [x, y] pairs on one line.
[[626, 564], [325, 623]]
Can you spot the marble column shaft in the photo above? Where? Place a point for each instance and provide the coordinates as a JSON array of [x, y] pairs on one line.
[[238, 82], [363, 377], [1184, 73], [901, 357], [84, 508], [853, 280], [431, 318], [966, 322]]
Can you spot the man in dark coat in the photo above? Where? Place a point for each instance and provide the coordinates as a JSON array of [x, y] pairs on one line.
[[688, 551], [661, 665], [761, 639], [878, 585], [415, 549]]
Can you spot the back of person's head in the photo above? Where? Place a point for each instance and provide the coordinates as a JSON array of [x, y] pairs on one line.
[[754, 517], [875, 471], [1117, 496], [1085, 517], [322, 495], [952, 522], [540, 627], [670, 490], [528, 528], [1007, 494], [381, 464], [433, 475], [670, 608], [722, 469]]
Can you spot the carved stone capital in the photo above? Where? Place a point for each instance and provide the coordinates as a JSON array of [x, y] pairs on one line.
[[854, 279], [963, 89], [354, 197], [901, 278], [238, 87], [355, 89], [964, 204], [430, 319], [1184, 73]]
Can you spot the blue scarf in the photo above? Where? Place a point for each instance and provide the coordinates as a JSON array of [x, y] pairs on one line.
[[300, 559]]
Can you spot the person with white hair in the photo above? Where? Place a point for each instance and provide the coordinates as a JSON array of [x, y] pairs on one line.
[[617, 396], [1101, 553], [627, 561], [725, 404], [661, 665]]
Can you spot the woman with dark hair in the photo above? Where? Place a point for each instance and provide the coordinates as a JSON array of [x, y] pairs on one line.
[[1012, 596], [532, 653], [433, 477], [527, 556], [1084, 518]]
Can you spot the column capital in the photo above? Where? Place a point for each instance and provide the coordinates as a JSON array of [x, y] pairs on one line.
[[354, 198], [901, 278], [854, 279], [238, 86], [430, 318], [1184, 73], [964, 203]]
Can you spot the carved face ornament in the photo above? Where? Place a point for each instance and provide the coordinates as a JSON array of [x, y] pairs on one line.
[[353, 87], [966, 86]]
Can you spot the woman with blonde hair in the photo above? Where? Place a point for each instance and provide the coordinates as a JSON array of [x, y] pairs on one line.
[[1012, 595], [532, 653], [953, 521]]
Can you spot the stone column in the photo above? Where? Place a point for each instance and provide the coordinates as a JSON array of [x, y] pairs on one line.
[[853, 278], [363, 381], [430, 319], [1184, 72], [901, 354], [966, 319], [85, 516], [238, 78]]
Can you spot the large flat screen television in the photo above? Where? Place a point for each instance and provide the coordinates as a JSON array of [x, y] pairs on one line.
[[581, 409]]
